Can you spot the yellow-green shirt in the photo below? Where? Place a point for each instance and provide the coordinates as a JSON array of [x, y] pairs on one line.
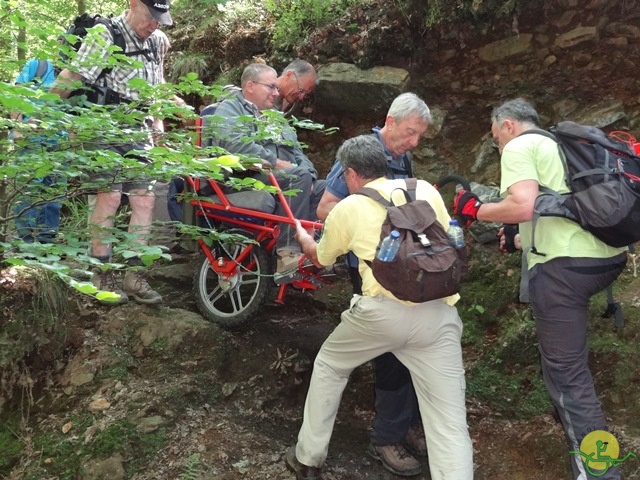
[[536, 157], [355, 224]]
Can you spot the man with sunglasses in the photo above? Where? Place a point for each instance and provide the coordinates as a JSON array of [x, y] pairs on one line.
[[276, 143], [397, 434], [298, 80]]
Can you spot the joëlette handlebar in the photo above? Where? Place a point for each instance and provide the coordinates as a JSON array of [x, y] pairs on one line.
[[288, 214]]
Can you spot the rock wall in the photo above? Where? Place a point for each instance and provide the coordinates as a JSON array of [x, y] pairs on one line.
[[573, 60]]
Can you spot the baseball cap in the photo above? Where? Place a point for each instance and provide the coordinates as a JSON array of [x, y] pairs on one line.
[[159, 10]]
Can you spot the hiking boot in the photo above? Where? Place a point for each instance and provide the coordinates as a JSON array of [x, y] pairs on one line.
[[303, 472], [136, 286], [47, 237], [287, 266], [396, 459], [415, 440], [107, 281]]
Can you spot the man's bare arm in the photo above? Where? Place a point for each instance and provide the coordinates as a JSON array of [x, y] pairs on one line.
[[515, 208], [64, 83], [327, 202], [307, 243]]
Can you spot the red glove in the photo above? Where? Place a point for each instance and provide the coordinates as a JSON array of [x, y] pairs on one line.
[[466, 206]]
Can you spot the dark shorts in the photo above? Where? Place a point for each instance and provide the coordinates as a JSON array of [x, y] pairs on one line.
[[120, 179]]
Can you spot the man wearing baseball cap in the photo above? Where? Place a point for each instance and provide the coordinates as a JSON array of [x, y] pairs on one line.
[[145, 44], [159, 10]]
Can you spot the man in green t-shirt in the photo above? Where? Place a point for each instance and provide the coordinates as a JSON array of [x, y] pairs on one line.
[[569, 266]]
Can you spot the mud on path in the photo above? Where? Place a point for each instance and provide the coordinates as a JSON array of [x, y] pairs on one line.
[[158, 393], [262, 380]]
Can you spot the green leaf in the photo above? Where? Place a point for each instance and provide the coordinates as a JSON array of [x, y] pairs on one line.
[[127, 254], [84, 287], [108, 296], [15, 261], [18, 104]]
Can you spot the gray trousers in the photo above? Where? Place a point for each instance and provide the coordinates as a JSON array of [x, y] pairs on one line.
[[303, 204], [559, 291], [396, 403]]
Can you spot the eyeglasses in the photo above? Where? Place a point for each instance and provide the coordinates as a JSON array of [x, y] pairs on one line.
[[301, 90], [271, 86]]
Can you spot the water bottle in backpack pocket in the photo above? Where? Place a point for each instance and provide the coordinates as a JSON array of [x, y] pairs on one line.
[[389, 246], [455, 234]]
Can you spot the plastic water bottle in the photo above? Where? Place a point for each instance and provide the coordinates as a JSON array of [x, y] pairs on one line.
[[455, 234], [389, 246]]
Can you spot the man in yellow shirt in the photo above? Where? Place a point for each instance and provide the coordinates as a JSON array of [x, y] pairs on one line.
[[425, 337]]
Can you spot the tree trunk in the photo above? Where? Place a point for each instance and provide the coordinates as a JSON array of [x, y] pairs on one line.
[[22, 41], [4, 210], [82, 7]]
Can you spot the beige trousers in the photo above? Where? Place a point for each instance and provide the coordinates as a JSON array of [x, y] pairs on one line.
[[426, 339]]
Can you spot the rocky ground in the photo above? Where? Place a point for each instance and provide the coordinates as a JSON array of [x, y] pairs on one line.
[[159, 393]]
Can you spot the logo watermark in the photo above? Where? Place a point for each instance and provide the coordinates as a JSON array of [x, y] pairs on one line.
[[600, 451]]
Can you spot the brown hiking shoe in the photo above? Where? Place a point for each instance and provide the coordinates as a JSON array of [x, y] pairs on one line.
[[107, 282], [396, 459], [415, 440], [136, 286], [303, 472]]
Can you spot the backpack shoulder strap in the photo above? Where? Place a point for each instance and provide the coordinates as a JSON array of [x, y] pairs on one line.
[[563, 158], [409, 193], [544, 191], [116, 33], [41, 71], [118, 37], [540, 131], [408, 163], [412, 185], [374, 195]]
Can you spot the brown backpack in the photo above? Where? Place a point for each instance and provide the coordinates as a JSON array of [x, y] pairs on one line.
[[427, 265]]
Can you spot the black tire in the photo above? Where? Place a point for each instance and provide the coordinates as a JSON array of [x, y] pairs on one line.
[[452, 178], [232, 303]]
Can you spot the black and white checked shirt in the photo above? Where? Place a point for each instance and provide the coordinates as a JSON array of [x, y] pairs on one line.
[[118, 78]]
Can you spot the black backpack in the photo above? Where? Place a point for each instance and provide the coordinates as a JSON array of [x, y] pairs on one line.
[[603, 176], [427, 265], [96, 93]]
